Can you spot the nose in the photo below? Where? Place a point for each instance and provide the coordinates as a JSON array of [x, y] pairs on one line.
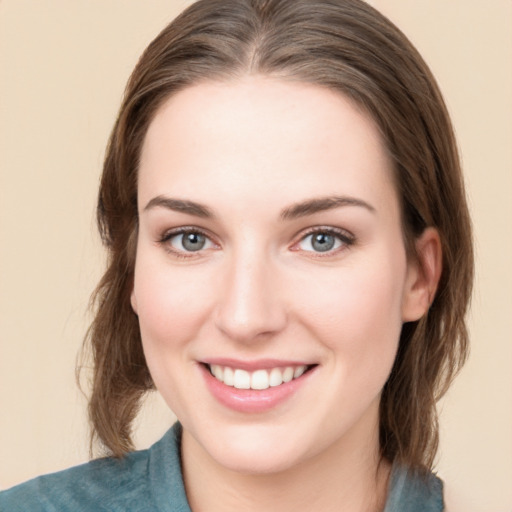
[[250, 308]]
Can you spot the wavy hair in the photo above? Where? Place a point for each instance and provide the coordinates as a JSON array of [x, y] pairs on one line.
[[346, 46]]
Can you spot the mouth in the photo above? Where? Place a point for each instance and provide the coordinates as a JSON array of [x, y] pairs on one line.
[[257, 386], [259, 379]]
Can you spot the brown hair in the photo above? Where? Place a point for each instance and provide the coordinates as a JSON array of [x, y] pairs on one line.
[[349, 47]]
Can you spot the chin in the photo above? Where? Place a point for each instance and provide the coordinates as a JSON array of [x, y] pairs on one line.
[[256, 449], [247, 446], [257, 462]]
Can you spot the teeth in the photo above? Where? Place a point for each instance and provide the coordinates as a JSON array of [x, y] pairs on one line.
[[242, 379], [218, 372], [299, 371], [259, 379], [288, 374], [229, 376], [276, 377]]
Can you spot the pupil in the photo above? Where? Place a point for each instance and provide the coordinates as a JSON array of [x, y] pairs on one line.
[[323, 242], [193, 241]]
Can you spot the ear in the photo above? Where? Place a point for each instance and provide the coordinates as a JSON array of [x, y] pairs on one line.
[[133, 300], [423, 274]]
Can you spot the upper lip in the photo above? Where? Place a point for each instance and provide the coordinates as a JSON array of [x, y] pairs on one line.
[[256, 364]]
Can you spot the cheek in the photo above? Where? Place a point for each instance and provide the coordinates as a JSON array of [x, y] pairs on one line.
[[171, 303], [356, 313]]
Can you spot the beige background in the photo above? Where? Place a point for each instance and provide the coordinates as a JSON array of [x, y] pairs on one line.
[[63, 66]]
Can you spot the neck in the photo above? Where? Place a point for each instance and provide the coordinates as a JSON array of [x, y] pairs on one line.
[[349, 477]]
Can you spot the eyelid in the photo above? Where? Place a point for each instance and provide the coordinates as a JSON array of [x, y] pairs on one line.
[[171, 233], [347, 239]]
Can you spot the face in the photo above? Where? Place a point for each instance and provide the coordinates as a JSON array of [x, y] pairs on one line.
[[271, 279]]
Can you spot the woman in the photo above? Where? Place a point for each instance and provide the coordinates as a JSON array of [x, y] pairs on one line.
[[290, 265]]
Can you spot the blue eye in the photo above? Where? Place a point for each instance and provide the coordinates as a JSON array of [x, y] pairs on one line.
[[188, 241], [323, 241]]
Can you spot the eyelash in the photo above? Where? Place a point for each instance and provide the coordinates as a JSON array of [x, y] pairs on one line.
[[168, 235], [346, 239]]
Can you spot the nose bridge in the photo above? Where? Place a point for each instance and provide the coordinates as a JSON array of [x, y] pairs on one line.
[[249, 305]]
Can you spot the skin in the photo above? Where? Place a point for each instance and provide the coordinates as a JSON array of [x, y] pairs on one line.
[[249, 150]]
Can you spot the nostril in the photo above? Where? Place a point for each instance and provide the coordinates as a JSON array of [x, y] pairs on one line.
[[249, 307]]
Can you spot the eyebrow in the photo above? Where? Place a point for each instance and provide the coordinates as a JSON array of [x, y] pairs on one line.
[[180, 205], [311, 206], [297, 210]]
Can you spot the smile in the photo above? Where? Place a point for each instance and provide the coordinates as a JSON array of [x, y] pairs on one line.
[[258, 379], [255, 386]]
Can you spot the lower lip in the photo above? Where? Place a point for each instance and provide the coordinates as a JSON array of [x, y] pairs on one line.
[[251, 400]]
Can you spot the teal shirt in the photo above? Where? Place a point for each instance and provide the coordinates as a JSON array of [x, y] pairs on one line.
[[151, 480]]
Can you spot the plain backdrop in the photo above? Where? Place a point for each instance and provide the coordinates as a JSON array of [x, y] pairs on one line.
[[63, 66]]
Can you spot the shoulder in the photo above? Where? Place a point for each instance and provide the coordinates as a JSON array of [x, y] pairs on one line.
[[98, 484], [411, 491], [131, 483]]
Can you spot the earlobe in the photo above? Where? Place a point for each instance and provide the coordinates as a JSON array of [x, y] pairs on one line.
[[423, 276]]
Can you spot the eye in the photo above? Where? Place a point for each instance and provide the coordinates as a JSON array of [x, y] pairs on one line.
[[188, 240], [324, 241]]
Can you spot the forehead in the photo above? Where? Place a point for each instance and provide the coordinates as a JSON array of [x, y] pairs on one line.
[[260, 135]]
